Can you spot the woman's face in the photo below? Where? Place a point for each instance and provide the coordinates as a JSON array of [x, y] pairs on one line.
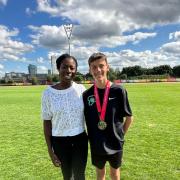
[[67, 70]]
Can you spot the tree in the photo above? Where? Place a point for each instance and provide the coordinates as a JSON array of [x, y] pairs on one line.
[[79, 77], [117, 73], [123, 76], [34, 80], [111, 74], [2, 81], [55, 78], [88, 77], [176, 71], [163, 69], [10, 81], [49, 78], [132, 71], [147, 71], [79, 74]]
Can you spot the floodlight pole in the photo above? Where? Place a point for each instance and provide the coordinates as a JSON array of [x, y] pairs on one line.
[[69, 47], [52, 65], [68, 29]]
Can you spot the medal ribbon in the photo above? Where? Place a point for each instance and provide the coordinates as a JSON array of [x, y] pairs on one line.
[[102, 111]]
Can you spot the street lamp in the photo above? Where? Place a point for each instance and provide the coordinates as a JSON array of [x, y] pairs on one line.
[[68, 29]]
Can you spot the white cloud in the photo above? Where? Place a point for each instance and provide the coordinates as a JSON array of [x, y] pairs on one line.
[[42, 69], [1, 70], [5, 33], [172, 48], [138, 36], [115, 16], [29, 11], [81, 54], [106, 24], [175, 35], [101, 23], [43, 5], [52, 37], [114, 41], [11, 49], [1, 66], [145, 59], [53, 54], [1, 74], [3, 2], [125, 58], [40, 60]]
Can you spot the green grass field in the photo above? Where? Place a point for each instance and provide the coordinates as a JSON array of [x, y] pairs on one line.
[[151, 150]]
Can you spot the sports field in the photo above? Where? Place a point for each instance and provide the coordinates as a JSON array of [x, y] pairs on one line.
[[151, 151]]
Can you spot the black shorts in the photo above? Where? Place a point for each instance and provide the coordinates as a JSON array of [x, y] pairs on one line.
[[114, 160]]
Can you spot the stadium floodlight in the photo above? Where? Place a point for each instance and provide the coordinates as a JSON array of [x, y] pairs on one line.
[[52, 72], [68, 29], [53, 64]]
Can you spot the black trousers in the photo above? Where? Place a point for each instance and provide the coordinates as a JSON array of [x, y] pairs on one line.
[[72, 152]]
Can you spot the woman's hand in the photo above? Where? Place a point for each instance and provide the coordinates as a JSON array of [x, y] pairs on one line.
[[54, 159]]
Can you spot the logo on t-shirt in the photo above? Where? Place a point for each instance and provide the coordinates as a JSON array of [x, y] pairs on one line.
[[91, 100], [112, 98]]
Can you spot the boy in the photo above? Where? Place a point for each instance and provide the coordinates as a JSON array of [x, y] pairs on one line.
[[106, 105]]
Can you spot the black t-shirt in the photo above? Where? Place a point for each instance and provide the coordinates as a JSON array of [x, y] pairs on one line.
[[110, 140]]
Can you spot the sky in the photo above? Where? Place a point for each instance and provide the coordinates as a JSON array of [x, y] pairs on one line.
[[129, 32]]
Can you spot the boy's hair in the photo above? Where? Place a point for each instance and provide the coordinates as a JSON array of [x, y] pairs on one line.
[[61, 58], [96, 56]]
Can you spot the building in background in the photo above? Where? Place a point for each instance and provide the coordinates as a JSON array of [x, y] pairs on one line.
[[53, 65], [15, 77], [32, 69], [49, 72], [33, 77]]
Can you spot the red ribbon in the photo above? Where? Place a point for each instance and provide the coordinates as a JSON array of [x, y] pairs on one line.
[[102, 111]]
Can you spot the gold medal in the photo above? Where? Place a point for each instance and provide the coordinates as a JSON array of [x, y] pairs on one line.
[[102, 110], [102, 125]]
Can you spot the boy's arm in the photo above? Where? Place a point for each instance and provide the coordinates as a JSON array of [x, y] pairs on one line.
[[127, 123]]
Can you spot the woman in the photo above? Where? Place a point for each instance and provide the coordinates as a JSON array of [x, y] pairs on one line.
[[62, 112]]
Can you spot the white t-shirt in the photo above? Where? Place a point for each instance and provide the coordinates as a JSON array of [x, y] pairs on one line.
[[65, 109]]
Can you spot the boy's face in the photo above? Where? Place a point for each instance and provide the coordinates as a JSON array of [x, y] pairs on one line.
[[99, 69]]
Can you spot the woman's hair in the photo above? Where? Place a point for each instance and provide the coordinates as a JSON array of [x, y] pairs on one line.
[[96, 56], [61, 58]]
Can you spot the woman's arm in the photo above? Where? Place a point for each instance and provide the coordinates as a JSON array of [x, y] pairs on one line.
[[47, 125]]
